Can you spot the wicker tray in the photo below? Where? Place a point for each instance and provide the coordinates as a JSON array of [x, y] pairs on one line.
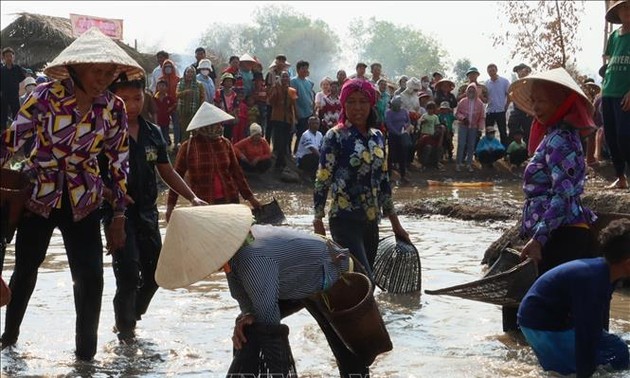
[[505, 284]]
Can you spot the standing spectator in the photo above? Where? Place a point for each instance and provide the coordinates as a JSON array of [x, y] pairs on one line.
[[172, 81], [276, 68], [307, 156], [29, 86], [519, 120], [241, 127], [517, 150], [209, 160], [443, 92], [471, 77], [261, 96], [436, 77], [383, 102], [352, 164], [324, 87], [305, 100], [190, 96], [426, 86], [11, 75], [331, 109], [254, 153], [616, 92], [165, 106], [226, 100], [402, 85], [471, 117], [375, 70], [341, 78], [253, 113], [489, 149], [67, 189], [234, 69], [246, 65], [399, 141], [447, 118], [429, 144], [282, 100], [360, 71], [134, 263], [498, 102], [158, 72], [200, 54], [205, 69]]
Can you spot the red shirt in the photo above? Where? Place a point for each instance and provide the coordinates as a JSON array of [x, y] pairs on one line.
[[165, 105], [251, 150]]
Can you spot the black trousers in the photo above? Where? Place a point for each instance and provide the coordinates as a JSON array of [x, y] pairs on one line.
[[518, 157], [309, 163], [489, 157], [360, 237], [499, 119], [397, 153], [134, 269], [84, 248], [9, 106], [281, 134]]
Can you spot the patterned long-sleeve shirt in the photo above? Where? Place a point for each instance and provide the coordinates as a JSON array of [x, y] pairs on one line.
[[282, 263], [553, 182], [202, 161], [354, 168], [65, 146]]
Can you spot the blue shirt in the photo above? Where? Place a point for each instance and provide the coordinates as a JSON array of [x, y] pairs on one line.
[[306, 96], [575, 295], [497, 94], [489, 144]]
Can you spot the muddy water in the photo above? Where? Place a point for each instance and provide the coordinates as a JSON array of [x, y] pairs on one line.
[[187, 331]]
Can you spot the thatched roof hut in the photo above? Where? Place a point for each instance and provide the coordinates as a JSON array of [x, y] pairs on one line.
[[38, 39]]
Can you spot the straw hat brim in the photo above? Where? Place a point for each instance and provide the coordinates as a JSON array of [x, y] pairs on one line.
[[247, 58], [520, 90], [93, 47], [442, 82], [199, 241], [612, 14], [207, 115]]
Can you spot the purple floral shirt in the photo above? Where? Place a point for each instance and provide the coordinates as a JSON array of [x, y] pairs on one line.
[[553, 183], [65, 147]]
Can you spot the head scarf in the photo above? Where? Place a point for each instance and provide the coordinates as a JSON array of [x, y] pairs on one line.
[[573, 111], [355, 85]]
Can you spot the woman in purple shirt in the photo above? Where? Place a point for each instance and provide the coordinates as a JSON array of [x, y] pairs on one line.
[[397, 122]]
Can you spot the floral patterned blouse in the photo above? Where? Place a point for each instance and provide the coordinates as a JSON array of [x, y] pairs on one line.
[[354, 168], [553, 182], [65, 147]]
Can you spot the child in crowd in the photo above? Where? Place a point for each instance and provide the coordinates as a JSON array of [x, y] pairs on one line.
[[165, 106], [253, 113], [517, 150], [260, 95], [489, 149], [447, 118], [429, 144], [241, 128], [29, 85], [331, 109]]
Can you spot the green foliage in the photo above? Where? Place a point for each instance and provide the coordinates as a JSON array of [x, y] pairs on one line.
[[461, 66], [400, 49], [543, 32], [277, 29]]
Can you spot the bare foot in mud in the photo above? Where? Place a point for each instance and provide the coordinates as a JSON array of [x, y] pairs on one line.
[[618, 184]]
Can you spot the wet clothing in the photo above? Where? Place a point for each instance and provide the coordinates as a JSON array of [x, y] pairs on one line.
[[211, 169], [573, 297], [287, 275], [134, 266], [10, 79], [60, 157]]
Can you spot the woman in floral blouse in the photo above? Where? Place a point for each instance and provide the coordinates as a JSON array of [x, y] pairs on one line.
[[69, 121], [353, 166]]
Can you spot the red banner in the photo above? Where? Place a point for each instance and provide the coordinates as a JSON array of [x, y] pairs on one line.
[[110, 27]]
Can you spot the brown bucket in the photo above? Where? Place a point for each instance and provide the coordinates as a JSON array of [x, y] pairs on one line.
[[14, 191], [350, 308]]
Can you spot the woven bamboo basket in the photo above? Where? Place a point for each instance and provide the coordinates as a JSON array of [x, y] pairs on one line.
[[397, 267]]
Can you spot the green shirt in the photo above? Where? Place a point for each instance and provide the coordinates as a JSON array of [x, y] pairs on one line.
[[428, 123], [516, 146], [617, 78]]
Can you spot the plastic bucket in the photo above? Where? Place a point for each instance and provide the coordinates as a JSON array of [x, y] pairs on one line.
[[350, 308]]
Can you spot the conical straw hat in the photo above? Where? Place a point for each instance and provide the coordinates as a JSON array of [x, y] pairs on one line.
[[93, 47], [199, 240], [612, 14], [207, 115], [247, 58], [520, 90]]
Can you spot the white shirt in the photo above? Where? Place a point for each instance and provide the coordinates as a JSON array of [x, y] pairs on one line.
[[308, 140]]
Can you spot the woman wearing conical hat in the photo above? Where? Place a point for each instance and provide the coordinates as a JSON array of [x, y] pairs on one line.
[[68, 122], [208, 162]]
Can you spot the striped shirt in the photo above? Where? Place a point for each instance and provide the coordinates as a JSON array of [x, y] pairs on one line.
[[281, 263]]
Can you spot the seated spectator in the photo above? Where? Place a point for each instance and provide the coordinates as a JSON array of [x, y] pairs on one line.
[[517, 150], [565, 314], [429, 143], [307, 156], [29, 85], [489, 149], [254, 153]]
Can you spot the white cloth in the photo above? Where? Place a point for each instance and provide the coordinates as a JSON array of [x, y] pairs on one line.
[[308, 140]]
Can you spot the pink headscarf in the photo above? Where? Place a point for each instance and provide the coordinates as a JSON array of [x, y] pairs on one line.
[[351, 86]]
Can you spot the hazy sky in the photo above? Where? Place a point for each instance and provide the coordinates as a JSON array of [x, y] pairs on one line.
[[463, 28]]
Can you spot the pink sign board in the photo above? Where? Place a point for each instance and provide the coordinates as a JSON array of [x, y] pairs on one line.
[[110, 27]]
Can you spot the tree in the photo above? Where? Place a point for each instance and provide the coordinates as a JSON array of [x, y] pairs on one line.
[[400, 49], [542, 32], [461, 66], [277, 29]]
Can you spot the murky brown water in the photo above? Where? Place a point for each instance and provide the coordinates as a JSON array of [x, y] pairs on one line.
[[186, 332]]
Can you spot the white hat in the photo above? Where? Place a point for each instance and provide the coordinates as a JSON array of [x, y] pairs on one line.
[[445, 105], [255, 129], [521, 89], [491, 129], [207, 115], [199, 241], [247, 58], [205, 64], [93, 47], [29, 81]]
